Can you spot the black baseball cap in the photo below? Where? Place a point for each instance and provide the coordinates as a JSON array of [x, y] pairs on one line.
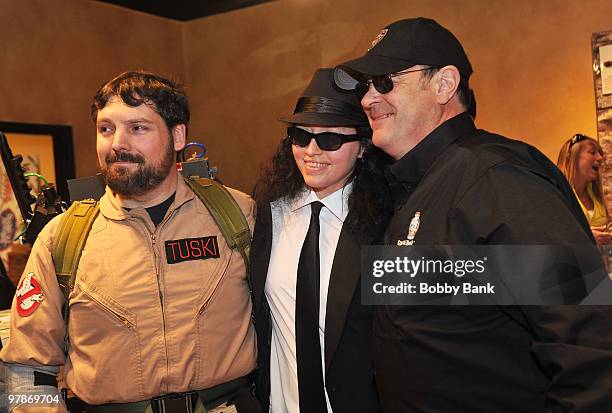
[[323, 103], [403, 44]]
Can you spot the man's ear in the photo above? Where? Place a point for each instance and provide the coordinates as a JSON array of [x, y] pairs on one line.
[[447, 83], [179, 136]]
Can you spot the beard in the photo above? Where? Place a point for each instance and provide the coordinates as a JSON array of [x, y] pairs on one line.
[[130, 181]]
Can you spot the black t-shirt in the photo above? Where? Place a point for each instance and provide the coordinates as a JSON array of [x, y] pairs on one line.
[[158, 212]]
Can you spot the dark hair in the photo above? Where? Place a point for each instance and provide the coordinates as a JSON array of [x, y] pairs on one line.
[[472, 108], [464, 92], [369, 202], [164, 96]]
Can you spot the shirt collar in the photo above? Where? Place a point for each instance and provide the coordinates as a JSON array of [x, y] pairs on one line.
[[407, 171], [336, 202]]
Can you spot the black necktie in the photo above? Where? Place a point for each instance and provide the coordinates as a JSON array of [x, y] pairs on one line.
[[307, 345]]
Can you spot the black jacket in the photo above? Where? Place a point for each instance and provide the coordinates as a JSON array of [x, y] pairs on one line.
[[349, 375], [474, 187]]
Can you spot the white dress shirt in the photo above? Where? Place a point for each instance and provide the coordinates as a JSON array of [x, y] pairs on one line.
[[290, 221]]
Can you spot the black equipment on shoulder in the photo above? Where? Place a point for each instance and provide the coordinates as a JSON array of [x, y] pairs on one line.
[[48, 205], [19, 183], [197, 163], [48, 202]]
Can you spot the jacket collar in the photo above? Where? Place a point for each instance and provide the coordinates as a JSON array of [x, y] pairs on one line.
[[112, 209], [404, 175]]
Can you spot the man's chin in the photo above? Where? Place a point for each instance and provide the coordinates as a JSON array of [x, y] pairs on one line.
[[122, 181], [131, 183], [121, 168], [132, 179], [121, 186], [380, 139]]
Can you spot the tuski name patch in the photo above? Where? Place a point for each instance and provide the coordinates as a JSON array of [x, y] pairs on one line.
[[189, 249]]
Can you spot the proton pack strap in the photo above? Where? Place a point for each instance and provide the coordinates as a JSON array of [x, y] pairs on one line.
[[73, 232], [226, 213]]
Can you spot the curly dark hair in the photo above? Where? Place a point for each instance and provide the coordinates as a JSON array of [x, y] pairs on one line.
[[165, 96], [369, 201]]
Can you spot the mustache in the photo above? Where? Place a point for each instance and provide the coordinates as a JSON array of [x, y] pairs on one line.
[[123, 157]]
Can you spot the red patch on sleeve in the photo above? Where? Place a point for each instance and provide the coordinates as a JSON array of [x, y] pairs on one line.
[[29, 295]]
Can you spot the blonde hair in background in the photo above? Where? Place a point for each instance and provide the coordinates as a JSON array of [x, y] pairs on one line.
[[568, 159]]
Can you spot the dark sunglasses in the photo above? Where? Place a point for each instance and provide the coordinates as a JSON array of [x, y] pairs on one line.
[[328, 141], [577, 138], [383, 83]]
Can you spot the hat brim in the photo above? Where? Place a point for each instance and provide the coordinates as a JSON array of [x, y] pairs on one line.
[[368, 65], [322, 119]]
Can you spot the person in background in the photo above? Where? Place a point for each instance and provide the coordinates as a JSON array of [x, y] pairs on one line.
[[580, 159], [314, 336]]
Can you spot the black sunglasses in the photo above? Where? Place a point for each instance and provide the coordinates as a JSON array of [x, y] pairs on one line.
[[328, 141], [577, 138], [384, 83]]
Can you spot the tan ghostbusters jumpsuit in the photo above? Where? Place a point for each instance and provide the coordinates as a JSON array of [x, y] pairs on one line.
[[145, 318]]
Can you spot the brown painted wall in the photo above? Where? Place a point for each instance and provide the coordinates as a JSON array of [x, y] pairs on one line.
[[55, 54], [246, 68], [532, 62]]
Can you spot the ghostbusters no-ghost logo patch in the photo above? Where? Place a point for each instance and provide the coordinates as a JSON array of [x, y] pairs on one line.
[[29, 295], [380, 36]]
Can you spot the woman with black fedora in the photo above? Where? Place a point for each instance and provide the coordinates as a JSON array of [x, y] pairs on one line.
[[322, 197]]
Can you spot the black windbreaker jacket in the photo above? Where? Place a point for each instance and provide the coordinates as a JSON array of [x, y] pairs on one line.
[[474, 187]]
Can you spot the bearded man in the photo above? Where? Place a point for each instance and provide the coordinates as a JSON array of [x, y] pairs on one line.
[[160, 312]]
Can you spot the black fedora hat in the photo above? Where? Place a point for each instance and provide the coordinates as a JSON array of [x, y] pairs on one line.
[[322, 103]]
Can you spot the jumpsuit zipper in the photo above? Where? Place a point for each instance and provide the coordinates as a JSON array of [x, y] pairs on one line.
[[158, 267], [123, 319], [214, 292]]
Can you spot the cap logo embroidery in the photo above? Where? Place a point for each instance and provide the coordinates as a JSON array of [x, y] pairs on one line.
[[380, 36], [28, 295]]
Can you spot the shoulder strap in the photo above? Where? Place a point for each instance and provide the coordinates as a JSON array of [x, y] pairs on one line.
[[225, 211], [71, 237]]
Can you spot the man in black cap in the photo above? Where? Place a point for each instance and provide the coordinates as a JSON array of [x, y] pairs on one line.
[[457, 185]]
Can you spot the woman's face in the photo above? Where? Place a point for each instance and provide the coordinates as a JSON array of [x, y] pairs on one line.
[[326, 171], [589, 161]]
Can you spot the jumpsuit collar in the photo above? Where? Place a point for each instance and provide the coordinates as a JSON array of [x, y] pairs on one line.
[[110, 207]]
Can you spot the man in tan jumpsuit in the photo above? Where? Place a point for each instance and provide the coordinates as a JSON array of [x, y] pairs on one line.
[[161, 304]]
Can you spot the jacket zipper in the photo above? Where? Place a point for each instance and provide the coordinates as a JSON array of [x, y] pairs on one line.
[[157, 262], [122, 318], [214, 292], [158, 269]]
